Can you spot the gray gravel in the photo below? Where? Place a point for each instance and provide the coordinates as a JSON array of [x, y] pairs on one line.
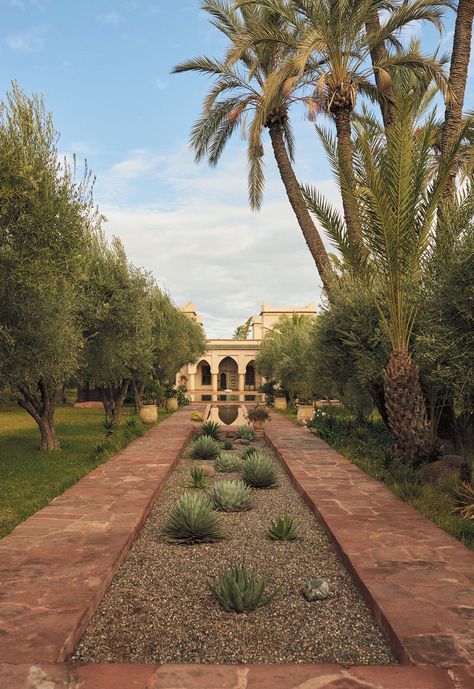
[[159, 608]]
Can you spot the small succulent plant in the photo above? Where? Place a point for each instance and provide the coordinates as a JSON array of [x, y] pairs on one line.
[[192, 519], [226, 463], [245, 433], [205, 447], [199, 478], [212, 429], [231, 496], [282, 529], [259, 472], [315, 589], [228, 445], [249, 451], [109, 426], [241, 590]]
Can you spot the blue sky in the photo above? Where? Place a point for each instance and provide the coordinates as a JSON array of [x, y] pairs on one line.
[[104, 70]]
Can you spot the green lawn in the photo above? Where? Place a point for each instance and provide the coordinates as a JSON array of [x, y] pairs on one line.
[[29, 479]]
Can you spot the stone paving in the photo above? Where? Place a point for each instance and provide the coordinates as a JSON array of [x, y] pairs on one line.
[[56, 566]]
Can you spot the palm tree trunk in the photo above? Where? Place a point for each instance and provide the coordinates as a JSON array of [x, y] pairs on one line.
[[342, 118], [457, 82], [379, 54], [406, 409], [293, 191]]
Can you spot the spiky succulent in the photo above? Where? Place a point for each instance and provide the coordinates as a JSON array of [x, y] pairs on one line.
[[205, 447], [249, 451], [240, 590], [227, 445], [282, 529], [192, 519], [199, 478], [231, 496], [259, 472], [226, 463], [212, 429], [245, 433]]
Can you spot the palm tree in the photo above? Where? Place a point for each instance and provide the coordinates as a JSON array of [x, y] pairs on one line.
[[333, 53], [243, 86], [457, 81], [398, 196]]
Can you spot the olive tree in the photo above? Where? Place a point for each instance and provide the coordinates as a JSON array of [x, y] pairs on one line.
[[46, 220]]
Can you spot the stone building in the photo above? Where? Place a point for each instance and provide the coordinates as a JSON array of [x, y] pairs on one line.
[[227, 371]]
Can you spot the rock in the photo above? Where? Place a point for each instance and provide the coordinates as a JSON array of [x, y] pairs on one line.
[[315, 589], [442, 469], [207, 469], [243, 441]]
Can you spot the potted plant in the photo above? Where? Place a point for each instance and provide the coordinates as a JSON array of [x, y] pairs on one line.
[[150, 398], [258, 415], [305, 406], [171, 395], [280, 402], [197, 419]]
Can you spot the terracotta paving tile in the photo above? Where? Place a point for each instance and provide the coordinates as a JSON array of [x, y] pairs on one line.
[[56, 566], [417, 579]]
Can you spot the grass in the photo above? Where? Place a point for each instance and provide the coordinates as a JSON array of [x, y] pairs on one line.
[[29, 479], [369, 446]]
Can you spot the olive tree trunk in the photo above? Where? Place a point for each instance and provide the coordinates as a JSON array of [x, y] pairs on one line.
[[297, 202], [113, 398], [41, 407]]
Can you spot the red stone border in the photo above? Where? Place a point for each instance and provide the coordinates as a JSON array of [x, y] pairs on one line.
[[56, 566], [418, 580]]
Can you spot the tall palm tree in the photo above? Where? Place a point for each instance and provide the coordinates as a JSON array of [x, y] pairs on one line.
[[334, 54], [457, 81], [243, 87], [398, 196]]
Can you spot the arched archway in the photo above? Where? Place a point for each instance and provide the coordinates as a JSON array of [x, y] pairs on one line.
[[250, 375], [204, 377], [228, 374]]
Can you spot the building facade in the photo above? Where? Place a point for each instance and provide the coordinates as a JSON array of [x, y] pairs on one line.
[[227, 371]]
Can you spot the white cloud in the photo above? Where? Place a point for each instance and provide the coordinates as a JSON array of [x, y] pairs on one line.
[[30, 41], [206, 245], [111, 18]]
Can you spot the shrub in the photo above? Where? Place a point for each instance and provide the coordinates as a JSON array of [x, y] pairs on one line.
[[226, 463], [259, 472], [109, 426], [240, 590], [228, 445], [258, 413], [212, 429], [197, 416], [231, 496], [199, 479], [192, 520], [246, 433], [282, 529], [205, 447]]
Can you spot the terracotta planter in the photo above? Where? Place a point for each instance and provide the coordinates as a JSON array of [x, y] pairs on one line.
[[305, 413], [280, 403], [148, 413], [171, 403]]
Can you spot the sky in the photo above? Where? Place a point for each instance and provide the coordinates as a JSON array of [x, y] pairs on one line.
[[103, 68]]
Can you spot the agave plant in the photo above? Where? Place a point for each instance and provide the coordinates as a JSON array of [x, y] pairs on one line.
[[282, 529], [109, 426], [246, 433], [464, 498], [259, 472], [227, 463], [212, 429], [231, 496], [199, 478], [192, 520], [240, 590], [205, 447], [249, 451], [227, 445]]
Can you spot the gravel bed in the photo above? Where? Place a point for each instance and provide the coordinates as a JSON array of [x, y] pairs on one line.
[[159, 609]]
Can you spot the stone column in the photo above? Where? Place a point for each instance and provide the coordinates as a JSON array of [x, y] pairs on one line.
[[214, 386], [241, 386], [192, 386]]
